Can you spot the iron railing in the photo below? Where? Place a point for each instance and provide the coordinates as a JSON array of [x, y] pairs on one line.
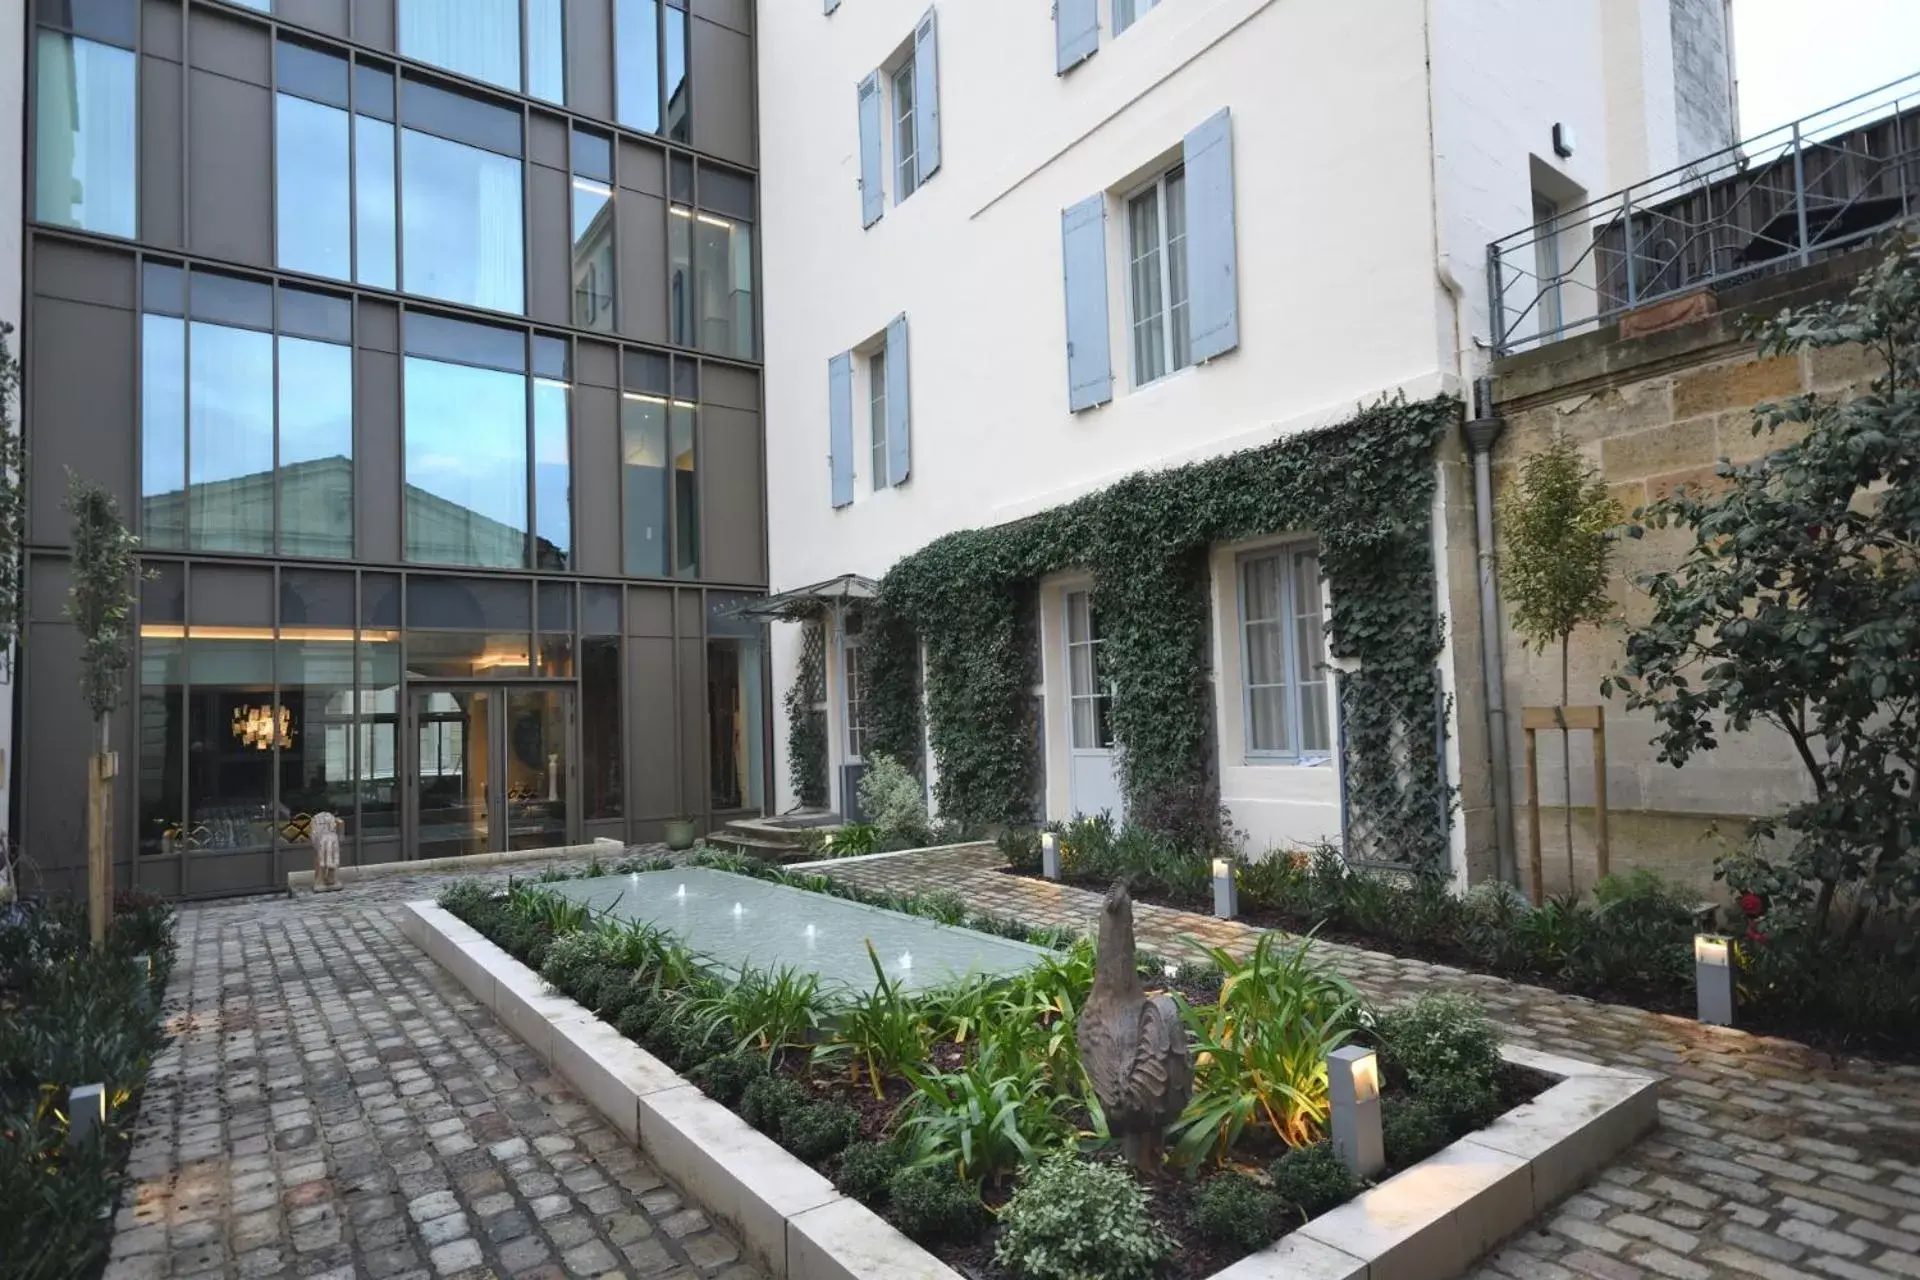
[[1783, 199]]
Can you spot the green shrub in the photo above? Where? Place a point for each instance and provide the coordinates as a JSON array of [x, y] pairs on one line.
[[1413, 1130], [819, 1130], [766, 1102], [1020, 846], [569, 959], [1235, 1211], [726, 1077], [895, 802], [636, 1021], [865, 1170], [1312, 1180], [1463, 1103], [931, 1205], [1075, 1220], [1439, 1036]]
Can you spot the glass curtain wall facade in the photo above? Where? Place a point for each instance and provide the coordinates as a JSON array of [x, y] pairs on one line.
[[418, 342]]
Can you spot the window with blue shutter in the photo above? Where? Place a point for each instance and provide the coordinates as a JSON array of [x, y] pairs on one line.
[[873, 194], [1083, 249], [1076, 33], [926, 101], [899, 406], [1213, 308], [840, 426]]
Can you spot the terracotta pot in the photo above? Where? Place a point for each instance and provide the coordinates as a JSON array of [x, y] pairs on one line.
[[680, 834]]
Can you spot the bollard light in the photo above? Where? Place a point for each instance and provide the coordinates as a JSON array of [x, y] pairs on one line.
[[1713, 979], [1050, 855], [86, 1113], [143, 979], [1226, 891], [1353, 1120]]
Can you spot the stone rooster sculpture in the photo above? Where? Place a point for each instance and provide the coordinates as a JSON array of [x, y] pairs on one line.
[[1134, 1046]]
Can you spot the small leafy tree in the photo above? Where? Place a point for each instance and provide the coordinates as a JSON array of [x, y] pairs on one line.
[[1557, 559], [1798, 604], [100, 602]]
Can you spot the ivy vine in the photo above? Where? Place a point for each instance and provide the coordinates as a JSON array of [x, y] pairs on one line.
[[1364, 488]]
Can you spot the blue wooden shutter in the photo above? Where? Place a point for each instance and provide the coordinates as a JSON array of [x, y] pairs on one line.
[[873, 192], [926, 95], [899, 403], [1213, 309], [1076, 32], [1083, 246], [840, 426]]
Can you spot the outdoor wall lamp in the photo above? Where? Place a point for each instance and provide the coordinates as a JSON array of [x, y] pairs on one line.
[[1353, 1120], [1050, 855], [1713, 979], [1226, 891], [86, 1113]]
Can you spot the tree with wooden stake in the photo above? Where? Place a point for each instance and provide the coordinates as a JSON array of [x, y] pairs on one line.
[[100, 602], [1558, 554]]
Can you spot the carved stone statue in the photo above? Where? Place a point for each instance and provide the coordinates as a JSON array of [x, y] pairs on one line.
[[325, 833], [1134, 1047]]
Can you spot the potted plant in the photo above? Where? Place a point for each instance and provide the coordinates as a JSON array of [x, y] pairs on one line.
[[680, 834]]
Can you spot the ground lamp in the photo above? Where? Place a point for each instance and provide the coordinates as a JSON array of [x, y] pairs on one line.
[[1050, 855], [86, 1113], [1353, 1121], [143, 975], [1226, 891], [1713, 978]]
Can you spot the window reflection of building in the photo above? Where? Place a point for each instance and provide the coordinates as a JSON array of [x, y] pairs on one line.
[[735, 698]]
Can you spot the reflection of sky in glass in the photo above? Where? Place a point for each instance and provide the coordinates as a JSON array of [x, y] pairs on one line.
[[466, 433], [460, 222], [637, 63], [546, 51], [373, 195], [676, 43], [230, 436], [479, 38], [163, 428], [311, 192], [316, 423], [592, 255], [552, 472], [84, 135]]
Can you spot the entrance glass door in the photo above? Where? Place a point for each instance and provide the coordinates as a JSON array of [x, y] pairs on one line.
[[492, 768]]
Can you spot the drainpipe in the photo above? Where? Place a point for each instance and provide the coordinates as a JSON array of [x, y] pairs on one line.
[[1480, 432]]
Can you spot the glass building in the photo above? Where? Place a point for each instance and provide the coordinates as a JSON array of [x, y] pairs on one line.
[[419, 342]]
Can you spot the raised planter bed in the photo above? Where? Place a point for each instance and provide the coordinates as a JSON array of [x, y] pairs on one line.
[[1429, 1222]]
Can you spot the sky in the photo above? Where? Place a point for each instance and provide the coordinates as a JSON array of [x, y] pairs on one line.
[[1795, 57]]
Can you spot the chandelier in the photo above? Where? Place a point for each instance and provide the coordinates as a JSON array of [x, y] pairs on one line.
[[263, 727]]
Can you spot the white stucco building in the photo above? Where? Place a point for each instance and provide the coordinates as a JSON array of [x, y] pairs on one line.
[[1019, 254]]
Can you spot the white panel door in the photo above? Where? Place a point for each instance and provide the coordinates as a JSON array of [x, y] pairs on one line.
[[1093, 775]]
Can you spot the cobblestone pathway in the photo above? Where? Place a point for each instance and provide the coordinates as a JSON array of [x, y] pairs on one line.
[[1770, 1160], [333, 1105]]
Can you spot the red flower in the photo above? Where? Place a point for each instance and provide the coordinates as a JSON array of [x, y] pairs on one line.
[[1756, 935], [1751, 904]]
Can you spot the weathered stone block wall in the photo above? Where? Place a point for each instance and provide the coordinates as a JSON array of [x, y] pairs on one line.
[[1652, 413]]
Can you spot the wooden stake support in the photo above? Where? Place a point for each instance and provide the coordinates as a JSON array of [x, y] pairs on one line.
[[100, 843], [1594, 719]]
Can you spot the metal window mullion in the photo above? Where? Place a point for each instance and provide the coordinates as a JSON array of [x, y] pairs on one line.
[[530, 546], [1166, 276]]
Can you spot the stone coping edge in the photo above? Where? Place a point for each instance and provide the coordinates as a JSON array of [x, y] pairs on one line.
[[827, 864], [1430, 1222], [602, 845]]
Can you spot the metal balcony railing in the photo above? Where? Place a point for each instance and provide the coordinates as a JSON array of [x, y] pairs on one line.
[[1783, 199]]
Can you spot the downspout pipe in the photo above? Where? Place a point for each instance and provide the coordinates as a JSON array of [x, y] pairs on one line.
[[1480, 432]]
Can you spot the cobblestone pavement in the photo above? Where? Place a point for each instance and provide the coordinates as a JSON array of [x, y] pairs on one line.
[[1771, 1160], [334, 1105]]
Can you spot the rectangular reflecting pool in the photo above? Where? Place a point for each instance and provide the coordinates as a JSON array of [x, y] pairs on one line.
[[742, 923]]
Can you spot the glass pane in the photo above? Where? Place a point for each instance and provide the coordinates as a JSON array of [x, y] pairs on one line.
[[230, 438], [163, 746], [315, 720], [468, 604], [454, 755], [478, 38], [379, 755], [466, 654], [877, 415], [546, 50], [723, 253], [466, 465], [232, 728], [905, 164], [163, 432], [1260, 588], [600, 777], [735, 768], [163, 592], [316, 448], [592, 255], [680, 274], [310, 73], [1086, 724], [538, 740], [84, 135], [599, 610], [1177, 266], [313, 601], [1267, 719], [553, 657], [1314, 734], [1266, 665], [686, 493], [636, 37], [461, 222], [552, 475], [643, 453], [373, 200], [1078, 608], [310, 188], [679, 99]]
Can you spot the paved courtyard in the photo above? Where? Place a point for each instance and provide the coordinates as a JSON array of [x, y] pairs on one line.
[[333, 1105], [1770, 1160]]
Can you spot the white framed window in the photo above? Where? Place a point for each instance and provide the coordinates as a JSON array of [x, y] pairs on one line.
[[1546, 262], [853, 685], [1283, 675], [906, 140], [1128, 12], [877, 415], [1157, 276], [1089, 696]]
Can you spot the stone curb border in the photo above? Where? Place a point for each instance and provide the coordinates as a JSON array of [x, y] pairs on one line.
[[1430, 1222], [604, 846], [827, 864]]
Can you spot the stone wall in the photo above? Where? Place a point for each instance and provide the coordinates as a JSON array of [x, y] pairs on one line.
[[1702, 90], [1652, 413]]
